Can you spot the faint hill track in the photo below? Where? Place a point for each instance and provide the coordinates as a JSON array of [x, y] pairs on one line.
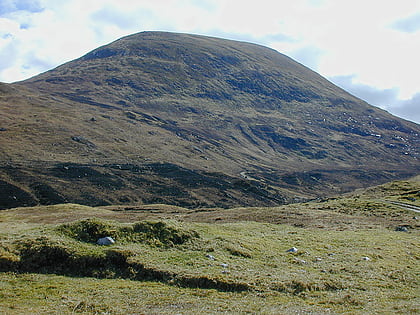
[[404, 205]]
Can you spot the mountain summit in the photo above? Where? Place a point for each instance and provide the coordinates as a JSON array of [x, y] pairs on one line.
[[194, 121]]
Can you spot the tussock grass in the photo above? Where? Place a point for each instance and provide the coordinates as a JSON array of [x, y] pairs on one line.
[[157, 233], [349, 259], [327, 273]]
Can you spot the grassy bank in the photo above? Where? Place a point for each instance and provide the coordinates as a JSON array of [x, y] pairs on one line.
[[167, 260]]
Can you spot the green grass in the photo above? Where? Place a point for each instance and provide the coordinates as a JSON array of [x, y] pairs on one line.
[[406, 191], [170, 260], [328, 273]]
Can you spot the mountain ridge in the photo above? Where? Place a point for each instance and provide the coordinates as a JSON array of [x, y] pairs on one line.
[[196, 105]]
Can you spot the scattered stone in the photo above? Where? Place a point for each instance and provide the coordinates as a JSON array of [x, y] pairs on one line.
[[300, 261], [224, 265], [93, 119], [3, 129], [415, 218], [106, 241], [78, 138], [131, 115], [366, 258], [401, 229], [83, 140], [225, 271], [292, 250], [211, 257], [197, 149]]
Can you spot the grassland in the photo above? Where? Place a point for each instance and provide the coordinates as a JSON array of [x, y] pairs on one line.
[[172, 260]]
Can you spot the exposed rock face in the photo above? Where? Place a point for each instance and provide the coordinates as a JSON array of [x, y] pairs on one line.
[[178, 118]]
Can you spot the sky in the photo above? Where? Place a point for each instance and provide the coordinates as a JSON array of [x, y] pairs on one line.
[[371, 48]]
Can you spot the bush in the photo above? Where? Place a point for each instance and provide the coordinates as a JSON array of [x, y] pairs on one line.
[[48, 255], [164, 234], [89, 230], [153, 233]]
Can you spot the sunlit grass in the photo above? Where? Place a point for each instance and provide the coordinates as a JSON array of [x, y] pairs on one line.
[[328, 271], [350, 259]]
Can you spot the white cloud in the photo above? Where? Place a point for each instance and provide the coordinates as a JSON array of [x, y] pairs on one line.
[[369, 93], [386, 99], [409, 109], [355, 38]]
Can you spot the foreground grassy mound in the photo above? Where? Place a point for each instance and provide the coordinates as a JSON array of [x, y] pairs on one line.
[[165, 266], [158, 233], [351, 256]]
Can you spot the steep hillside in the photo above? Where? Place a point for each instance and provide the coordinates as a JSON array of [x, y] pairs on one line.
[[193, 121]]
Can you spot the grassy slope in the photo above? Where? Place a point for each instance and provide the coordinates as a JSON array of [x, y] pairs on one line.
[[328, 274], [207, 104]]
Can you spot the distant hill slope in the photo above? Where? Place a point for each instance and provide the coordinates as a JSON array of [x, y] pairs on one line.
[[192, 121]]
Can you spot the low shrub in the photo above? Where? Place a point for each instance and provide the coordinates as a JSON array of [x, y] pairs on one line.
[[89, 230], [47, 255], [163, 233], [153, 233]]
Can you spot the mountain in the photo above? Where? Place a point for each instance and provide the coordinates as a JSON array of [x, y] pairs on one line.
[[192, 121]]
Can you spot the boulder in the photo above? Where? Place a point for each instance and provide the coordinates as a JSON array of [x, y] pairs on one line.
[[105, 241], [401, 229], [292, 250]]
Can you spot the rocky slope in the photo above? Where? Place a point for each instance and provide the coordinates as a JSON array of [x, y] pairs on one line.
[[192, 121]]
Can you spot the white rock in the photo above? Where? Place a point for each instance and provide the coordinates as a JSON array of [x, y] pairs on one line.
[[292, 250], [211, 257], [366, 258], [106, 241]]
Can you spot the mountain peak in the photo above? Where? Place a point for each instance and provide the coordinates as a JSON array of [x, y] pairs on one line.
[[202, 121]]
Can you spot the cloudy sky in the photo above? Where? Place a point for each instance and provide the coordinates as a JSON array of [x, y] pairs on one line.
[[371, 48]]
